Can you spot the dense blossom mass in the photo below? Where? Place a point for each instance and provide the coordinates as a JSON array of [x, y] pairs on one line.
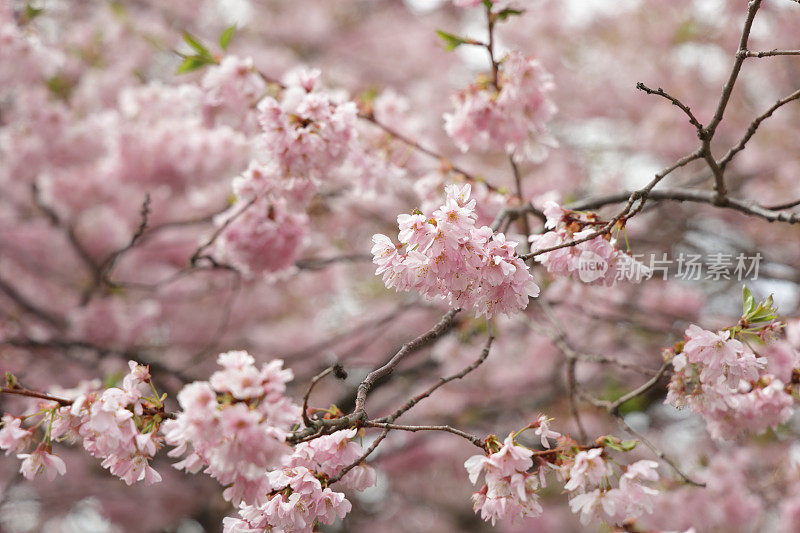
[[194, 335], [509, 113], [446, 255]]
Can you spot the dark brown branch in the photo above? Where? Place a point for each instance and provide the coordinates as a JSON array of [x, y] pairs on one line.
[[442, 327], [477, 441], [627, 212], [443, 381], [33, 394], [697, 196], [683, 107], [751, 130], [707, 134]]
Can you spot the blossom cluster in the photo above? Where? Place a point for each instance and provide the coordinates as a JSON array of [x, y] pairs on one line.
[[447, 256], [116, 425], [591, 493], [596, 261], [235, 425], [299, 495], [298, 502], [510, 490], [730, 386], [308, 133], [510, 115], [262, 237]]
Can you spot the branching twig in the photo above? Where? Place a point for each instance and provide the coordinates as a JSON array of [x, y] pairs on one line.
[[438, 330], [443, 381], [683, 107], [751, 130], [477, 441]]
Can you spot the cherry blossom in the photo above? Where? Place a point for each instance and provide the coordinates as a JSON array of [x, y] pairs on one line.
[[446, 256]]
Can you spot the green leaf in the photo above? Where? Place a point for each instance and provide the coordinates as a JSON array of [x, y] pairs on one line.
[[628, 445], [508, 12], [193, 63], [197, 45], [748, 301], [60, 86], [227, 35], [451, 41], [32, 12]]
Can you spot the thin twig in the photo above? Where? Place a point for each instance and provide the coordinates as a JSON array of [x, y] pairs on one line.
[[661, 455], [477, 441], [311, 385], [361, 459], [437, 331], [443, 381], [683, 107], [751, 130], [770, 53]]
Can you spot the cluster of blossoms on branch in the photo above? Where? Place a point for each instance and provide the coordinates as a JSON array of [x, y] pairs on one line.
[[720, 376], [308, 138], [508, 114], [233, 427], [514, 474], [447, 256], [597, 261], [118, 425], [592, 493]]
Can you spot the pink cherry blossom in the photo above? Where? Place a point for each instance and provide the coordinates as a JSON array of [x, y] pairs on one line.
[[448, 257], [43, 462]]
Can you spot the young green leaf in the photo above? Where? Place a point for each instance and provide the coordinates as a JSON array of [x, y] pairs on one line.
[[748, 301], [451, 41], [227, 35], [193, 63], [508, 12], [32, 12], [196, 45]]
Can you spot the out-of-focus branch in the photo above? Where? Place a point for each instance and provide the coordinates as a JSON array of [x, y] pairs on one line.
[[657, 451], [28, 306], [318, 264], [559, 338], [613, 407]]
